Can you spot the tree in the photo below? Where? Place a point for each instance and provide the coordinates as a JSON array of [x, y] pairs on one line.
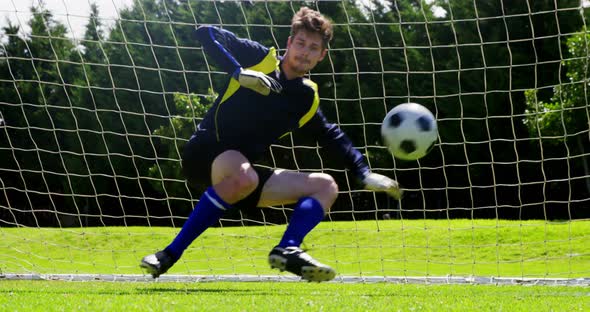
[[171, 138], [566, 116], [40, 113]]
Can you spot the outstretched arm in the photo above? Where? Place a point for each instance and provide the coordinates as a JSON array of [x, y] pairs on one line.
[[331, 137]]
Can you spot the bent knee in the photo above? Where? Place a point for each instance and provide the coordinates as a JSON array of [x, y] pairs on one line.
[[327, 190], [245, 182], [238, 186], [331, 187]]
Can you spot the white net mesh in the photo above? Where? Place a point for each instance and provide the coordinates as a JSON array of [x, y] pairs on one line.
[[95, 105]]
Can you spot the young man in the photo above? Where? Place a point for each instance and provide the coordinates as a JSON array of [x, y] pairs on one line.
[[265, 98]]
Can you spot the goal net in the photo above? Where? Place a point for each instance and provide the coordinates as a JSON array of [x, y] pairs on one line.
[[98, 99]]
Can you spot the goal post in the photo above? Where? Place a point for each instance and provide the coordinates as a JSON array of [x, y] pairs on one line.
[[96, 103]]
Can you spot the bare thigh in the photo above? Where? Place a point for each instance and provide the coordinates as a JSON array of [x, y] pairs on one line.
[[232, 176], [286, 187]]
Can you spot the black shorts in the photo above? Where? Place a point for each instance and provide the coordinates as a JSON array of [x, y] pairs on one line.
[[197, 158]]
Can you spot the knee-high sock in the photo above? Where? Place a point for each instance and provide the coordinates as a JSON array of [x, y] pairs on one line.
[[208, 210], [307, 214]]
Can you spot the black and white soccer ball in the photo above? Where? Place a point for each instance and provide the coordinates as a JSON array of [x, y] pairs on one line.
[[409, 131]]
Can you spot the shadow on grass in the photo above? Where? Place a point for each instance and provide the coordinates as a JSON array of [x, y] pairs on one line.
[[159, 291], [143, 291], [239, 292]]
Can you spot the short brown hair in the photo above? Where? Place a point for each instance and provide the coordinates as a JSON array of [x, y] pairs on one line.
[[312, 21]]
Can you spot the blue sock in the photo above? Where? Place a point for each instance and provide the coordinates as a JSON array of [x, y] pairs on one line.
[[307, 214], [208, 210]]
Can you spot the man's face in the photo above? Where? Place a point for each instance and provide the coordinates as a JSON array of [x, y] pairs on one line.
[[304, 51]]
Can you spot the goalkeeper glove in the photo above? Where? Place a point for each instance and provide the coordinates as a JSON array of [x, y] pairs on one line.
[[257, 81], [380, 183]]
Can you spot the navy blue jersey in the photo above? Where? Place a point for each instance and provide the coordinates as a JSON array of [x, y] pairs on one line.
[[249, 122]]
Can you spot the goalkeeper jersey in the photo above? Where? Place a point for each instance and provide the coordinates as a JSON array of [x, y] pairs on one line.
[[249, 122]]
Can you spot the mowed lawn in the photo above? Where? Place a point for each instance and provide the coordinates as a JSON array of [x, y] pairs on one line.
[[485, 248], [285, 296], [535, 249]]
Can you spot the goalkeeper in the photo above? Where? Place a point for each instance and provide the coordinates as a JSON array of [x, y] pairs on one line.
[[265, 98]]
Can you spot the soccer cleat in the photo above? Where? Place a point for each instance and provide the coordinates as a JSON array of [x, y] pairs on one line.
[[157, 264], [298, 262]]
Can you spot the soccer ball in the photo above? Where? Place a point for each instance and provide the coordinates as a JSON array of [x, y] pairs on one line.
[[409, 131]]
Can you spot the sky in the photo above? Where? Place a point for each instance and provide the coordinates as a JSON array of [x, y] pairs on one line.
[[72, 13]]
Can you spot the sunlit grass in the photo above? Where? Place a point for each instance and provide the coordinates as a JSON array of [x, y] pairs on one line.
[[367, 248], [295, 296]]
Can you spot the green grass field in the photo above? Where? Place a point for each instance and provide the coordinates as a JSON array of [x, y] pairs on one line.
[[489, 248], [296, 296]]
